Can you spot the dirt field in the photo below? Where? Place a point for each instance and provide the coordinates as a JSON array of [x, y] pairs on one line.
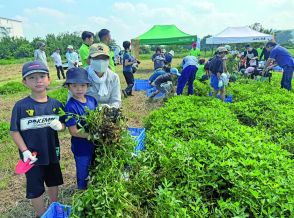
[[12, 187]]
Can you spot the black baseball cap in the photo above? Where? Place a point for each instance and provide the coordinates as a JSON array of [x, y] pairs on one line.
[[34, 67]]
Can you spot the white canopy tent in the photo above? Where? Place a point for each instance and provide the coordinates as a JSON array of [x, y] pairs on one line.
[[238, 35]]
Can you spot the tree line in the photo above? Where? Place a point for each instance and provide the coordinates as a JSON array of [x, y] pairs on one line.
[[15, 48]]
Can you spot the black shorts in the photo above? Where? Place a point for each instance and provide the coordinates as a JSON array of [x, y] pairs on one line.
[[40, 174]]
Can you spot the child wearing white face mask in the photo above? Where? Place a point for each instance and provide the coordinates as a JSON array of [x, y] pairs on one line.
[[105, 84]]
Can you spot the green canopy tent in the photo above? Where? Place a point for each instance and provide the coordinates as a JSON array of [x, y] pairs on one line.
[[163, 35]]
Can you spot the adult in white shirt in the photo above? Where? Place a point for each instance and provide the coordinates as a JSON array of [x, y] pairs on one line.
[[40, 54], [58, 63], [72, 57], [105, 84]]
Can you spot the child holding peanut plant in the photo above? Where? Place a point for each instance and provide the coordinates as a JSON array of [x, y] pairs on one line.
[[77, 82]]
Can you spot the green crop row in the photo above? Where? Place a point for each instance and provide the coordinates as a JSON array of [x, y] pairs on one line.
[[203, 158]]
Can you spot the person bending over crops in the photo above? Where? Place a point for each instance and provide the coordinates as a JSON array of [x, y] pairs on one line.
[[105, 84], [77, 82], [158, 73], [163, 83], [190, 67], [284, 59], [216, 67]]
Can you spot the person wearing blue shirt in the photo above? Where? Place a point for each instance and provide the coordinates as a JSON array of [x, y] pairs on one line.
[[216, 67], [283, 58], [83, 149], [156, 74], [190, 67], [128, 61]]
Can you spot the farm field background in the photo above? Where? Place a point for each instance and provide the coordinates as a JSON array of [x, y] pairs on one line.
[[259, 118]]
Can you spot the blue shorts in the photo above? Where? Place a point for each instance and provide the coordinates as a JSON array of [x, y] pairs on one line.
[[214, 82]]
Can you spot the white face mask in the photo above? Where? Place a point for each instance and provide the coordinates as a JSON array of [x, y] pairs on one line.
[[99, 66]]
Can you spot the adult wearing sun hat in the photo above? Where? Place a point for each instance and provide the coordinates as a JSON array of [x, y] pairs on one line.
[[72, 57], [105, 84]]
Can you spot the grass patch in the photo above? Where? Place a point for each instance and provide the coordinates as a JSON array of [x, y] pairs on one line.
[[4, 130], [12, 87], [59, 94]]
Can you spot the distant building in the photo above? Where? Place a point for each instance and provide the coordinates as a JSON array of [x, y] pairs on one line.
[[10, 27]]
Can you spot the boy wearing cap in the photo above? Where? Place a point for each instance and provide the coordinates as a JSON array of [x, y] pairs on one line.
[[40, 54], [72, 57], [77, 82], [216, 67], [190, 67], [34, 126], [163, 83]]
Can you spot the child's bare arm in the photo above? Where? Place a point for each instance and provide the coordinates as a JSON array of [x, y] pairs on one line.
[[18, 140], [73, 130]]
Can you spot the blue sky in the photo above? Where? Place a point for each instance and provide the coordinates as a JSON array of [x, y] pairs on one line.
[[128, 19]]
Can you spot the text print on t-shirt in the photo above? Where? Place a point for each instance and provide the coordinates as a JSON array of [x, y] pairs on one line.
[[37, 122]]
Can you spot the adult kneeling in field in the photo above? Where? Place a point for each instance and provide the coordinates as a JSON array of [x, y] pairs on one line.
[[284, 59], [105, 84], [216, 67]]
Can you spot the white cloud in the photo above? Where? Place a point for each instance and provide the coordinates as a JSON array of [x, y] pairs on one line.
[[45, 11], [98, 20], [124, 6]]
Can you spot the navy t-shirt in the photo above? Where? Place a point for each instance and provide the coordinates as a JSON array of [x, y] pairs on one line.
[[282, 56], [127, 56], [216, 65], [79, 146], [31, 119]]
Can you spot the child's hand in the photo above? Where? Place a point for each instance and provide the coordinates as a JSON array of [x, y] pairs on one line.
[[27, 155], [56, 125]]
